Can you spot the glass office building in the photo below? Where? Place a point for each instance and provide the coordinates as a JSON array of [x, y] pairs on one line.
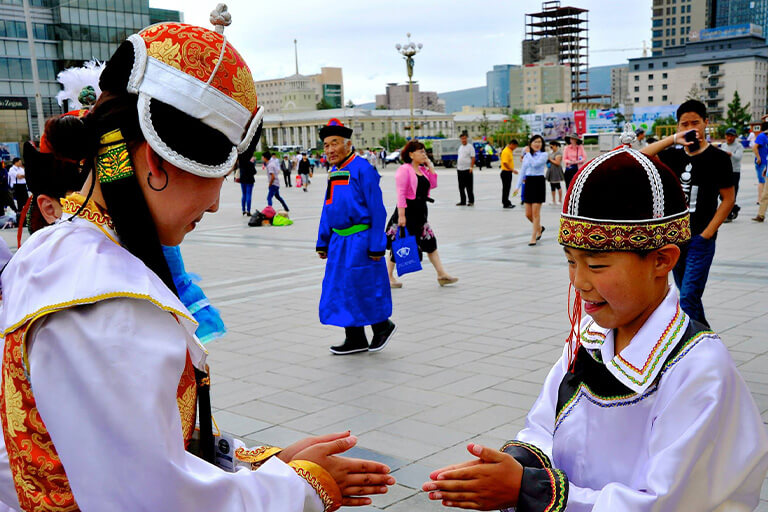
[[65, 33], [741, 12]]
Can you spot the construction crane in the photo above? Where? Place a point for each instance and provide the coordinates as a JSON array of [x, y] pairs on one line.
[[644, 49]]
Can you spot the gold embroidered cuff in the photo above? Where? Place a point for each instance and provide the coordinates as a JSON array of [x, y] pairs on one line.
[[321, 481], [258, 456]]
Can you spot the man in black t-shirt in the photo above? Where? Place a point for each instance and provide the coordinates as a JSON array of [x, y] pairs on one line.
[[706, 176]]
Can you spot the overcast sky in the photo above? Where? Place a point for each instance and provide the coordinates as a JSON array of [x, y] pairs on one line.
[[462, 39]]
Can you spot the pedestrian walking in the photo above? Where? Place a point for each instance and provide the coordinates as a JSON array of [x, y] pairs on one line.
[[6, 192], [532, 177], [706, 175], [304, 170], [507, 172], [286, 166], [18, 183], [273, 175], [464, 167], [735, 150], [413, 181], [247, 180], [760, 149], [555, 172], [574, 157], [351, 237], [645, 409]]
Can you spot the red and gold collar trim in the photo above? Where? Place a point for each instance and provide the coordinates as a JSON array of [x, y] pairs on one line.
[[599, 235], [92, 212]]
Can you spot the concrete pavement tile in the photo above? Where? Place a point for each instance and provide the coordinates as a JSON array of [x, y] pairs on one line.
[[427, 432], [419, 502], [238, 425], [393, 463], [397, 446], [278, 436], [472, 385], [413, 475], [267, 412], [318, 421], [395, 494], [488, 419], [298, 401], [363, 423], [353, 392], [449, 412]]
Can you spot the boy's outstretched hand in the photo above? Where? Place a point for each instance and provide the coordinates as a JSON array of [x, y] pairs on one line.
[[490, 482]]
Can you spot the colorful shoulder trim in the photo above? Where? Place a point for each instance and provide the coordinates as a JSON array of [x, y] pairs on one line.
[[530, 456], [321, 481]]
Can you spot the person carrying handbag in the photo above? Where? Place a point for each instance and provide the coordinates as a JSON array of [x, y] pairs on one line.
[[414, 179]]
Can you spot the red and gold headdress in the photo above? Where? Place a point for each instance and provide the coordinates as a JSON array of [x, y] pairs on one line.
[[198, 72]]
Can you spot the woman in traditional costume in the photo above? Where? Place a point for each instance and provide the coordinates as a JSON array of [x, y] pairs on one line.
[[102, 370]]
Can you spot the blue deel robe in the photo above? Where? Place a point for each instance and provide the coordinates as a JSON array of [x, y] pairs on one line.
[[355, 288]]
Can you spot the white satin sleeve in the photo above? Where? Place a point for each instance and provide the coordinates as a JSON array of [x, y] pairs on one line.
[[708, 449], [540, 422], [105, 378]]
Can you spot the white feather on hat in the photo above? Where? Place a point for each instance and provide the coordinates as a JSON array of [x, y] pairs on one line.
[[74, 80]]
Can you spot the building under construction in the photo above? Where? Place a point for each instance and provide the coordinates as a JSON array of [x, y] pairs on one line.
[[562, 34]]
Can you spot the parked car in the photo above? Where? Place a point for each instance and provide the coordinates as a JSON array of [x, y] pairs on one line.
[[393, 157]]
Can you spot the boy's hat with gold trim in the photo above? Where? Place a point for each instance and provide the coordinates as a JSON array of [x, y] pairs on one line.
[[198, 72], [624, 201]]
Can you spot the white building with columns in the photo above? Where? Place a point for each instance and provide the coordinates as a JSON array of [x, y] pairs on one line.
[[370, 126]]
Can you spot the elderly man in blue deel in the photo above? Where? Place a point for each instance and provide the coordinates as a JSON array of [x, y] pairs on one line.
[[351, 236]]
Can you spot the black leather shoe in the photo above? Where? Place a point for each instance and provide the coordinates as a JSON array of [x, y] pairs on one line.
[[381, 339], [348, 348], [509, 206]]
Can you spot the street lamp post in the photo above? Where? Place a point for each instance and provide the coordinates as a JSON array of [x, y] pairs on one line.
[[408, 50]]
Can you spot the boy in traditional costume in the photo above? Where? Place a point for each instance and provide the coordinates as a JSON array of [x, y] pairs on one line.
[[645, 411], [101, 369], [351, 236]]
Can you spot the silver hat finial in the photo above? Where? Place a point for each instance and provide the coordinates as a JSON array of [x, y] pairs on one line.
[[628, 136], [220, 18]]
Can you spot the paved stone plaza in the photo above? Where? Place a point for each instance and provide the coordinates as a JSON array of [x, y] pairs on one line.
[[467, 361]]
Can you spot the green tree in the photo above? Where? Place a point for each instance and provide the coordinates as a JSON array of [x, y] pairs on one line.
[[440, 134], [664, 121], [323, 105], [381, 107], [737, 117], [619, 119], [392, 141], [350, 104]]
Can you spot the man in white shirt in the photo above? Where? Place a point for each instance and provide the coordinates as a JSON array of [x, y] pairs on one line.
[[464, 166], [18, 183]]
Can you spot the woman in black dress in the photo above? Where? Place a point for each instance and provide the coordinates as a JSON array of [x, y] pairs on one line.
[[414, 179]]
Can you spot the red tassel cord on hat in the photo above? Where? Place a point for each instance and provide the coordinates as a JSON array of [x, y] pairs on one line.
[[574, 315], [22, 220]]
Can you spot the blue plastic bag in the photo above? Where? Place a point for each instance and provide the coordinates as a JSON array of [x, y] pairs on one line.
[[406, 251]]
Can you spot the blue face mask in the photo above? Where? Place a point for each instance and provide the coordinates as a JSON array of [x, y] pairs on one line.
[[191, 295]]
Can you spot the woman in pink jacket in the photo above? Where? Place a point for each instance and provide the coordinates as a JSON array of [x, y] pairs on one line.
[[414, 179]]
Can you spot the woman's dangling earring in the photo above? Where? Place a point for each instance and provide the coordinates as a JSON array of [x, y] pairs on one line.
[[149, 183]]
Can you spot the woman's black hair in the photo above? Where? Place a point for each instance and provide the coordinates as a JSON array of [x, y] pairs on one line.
[[116, 109], [530, 142]]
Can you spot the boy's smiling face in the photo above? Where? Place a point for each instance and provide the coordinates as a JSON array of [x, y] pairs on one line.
[[620, 290]]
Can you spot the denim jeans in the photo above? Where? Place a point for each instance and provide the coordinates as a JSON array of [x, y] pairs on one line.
[[691, 273], [245, 198], [274, 191]]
